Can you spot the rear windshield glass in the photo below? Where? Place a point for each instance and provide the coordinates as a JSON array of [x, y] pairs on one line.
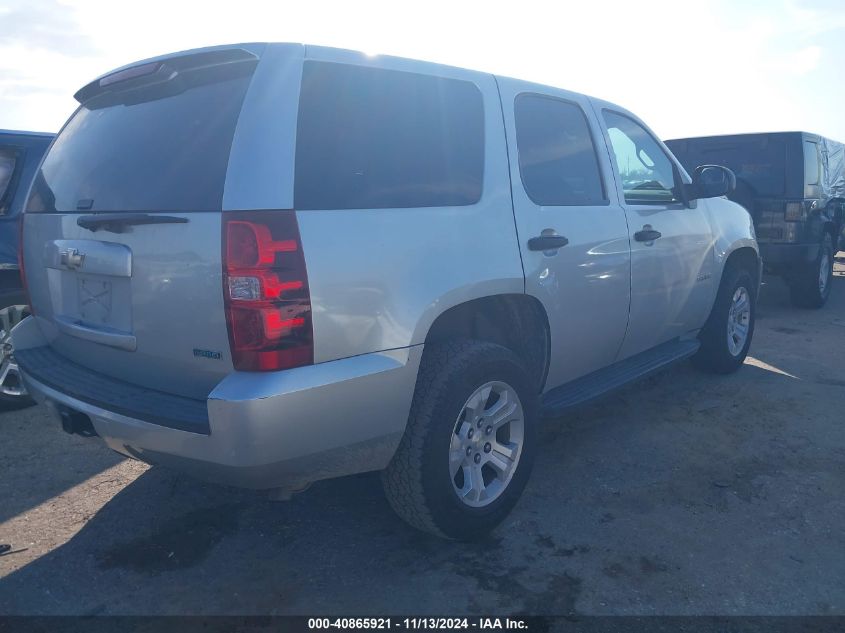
[[164, 151], [371, 138], [761, 164]]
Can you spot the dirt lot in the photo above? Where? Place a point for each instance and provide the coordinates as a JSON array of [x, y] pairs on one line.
[[685, 494]]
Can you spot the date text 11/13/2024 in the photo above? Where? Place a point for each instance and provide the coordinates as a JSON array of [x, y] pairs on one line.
[[430, 623]]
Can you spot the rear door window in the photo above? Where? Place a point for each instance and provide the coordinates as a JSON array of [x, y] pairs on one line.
[[163, 151], [8, 161], [557, 157], [370, 138]]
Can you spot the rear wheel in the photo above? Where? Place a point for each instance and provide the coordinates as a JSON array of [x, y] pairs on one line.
[[469, 445], [810, 288], [12, 392], [726, 337]]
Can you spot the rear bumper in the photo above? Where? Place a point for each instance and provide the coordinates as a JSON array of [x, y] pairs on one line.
[[782, 256], [268, 430]]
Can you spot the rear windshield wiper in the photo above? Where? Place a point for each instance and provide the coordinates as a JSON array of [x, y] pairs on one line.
[[117, 222]]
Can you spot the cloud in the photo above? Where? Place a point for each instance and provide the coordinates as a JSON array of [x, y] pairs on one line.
[[47, 25]]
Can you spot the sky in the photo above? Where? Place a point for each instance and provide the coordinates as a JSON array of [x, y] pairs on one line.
[[688, 68]]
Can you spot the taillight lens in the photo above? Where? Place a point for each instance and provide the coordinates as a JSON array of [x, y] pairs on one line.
[[794, 212], [265, 287]]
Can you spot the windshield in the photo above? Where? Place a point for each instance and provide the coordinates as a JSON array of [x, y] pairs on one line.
[[164, 151]]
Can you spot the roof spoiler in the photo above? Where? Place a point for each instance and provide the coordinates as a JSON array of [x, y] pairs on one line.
[[162, 71]]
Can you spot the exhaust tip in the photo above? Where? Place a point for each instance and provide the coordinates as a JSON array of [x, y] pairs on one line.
[[76, 423]]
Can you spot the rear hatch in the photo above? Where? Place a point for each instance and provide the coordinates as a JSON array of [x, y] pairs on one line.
[[122, 234], [759, 162]]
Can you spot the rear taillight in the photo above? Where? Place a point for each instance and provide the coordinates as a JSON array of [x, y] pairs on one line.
[[21, 265], [795, 212], [265, 288]]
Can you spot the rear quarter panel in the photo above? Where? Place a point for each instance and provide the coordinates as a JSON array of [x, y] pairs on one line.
[[380, 277]]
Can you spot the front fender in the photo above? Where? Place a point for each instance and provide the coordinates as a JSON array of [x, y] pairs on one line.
[[732, 228]]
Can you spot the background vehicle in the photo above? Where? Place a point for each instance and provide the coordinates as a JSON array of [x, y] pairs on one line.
[[20, 153], [272, 264], [793, 184]]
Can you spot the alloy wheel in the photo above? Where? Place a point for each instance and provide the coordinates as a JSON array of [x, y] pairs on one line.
[[486, 444], [739, 321], [10, 379]]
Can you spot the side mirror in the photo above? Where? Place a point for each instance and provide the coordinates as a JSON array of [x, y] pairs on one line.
[[711, 181]]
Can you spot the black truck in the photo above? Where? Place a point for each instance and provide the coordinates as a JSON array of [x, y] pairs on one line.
[[793, 185]]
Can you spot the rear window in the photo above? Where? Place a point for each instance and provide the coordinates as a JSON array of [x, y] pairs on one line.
[[163, 151], [760, 163], [369, 138]]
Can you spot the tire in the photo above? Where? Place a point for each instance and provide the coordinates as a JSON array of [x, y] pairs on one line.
[[723, 350], [810, 288], [13, 395], [419, 481]]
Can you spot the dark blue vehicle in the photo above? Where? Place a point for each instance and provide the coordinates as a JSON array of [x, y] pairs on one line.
[[20, 155]]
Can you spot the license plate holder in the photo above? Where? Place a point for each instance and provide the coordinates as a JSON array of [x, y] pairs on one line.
[[94, 299]]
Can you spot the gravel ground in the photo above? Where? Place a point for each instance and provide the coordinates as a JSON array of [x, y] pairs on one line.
[[684, 494]]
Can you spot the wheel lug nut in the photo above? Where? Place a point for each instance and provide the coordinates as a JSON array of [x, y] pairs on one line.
[[469, 451], [488, 430], [480, 422], [470, 433], [477, 458], [487, 447]]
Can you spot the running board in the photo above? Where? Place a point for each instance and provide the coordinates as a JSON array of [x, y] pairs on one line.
[[619, 374]]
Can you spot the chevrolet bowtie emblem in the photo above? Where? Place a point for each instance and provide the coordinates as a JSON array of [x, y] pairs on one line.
[[72, 258]]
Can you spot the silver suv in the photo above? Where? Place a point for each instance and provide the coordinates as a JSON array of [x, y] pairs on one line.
[[270, 264]]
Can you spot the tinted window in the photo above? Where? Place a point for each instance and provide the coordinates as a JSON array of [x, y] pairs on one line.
[[758, 162], [647, 173], [8, 159], [146, 152], [371, 138], [811, 163], [557, 158]]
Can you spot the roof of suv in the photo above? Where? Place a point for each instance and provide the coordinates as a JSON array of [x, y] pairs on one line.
[[257, 48]]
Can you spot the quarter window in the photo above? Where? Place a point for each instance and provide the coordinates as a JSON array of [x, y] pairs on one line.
[[811, 163], [369, 138], [557, 158], [648, 175]]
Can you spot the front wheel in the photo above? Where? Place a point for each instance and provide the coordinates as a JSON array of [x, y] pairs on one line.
[[469, 445], [810, 288], [726, 337]]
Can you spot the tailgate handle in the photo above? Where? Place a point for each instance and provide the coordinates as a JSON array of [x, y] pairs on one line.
[[116, 222], [107, 336]]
